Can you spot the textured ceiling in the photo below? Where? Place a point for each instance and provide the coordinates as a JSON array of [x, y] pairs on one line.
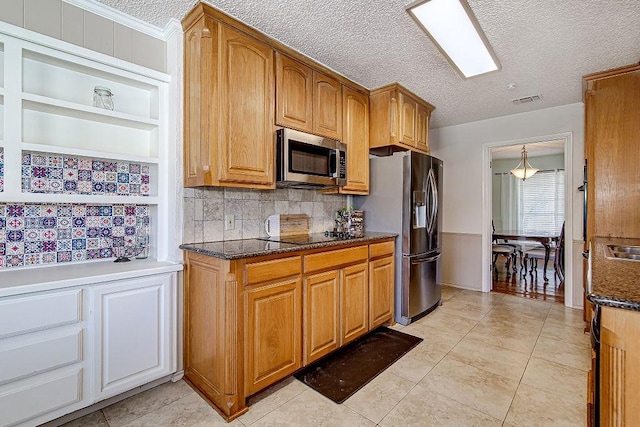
[[535, 149], [544, 46]]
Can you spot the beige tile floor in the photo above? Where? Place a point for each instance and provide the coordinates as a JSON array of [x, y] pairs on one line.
[[486, 359]]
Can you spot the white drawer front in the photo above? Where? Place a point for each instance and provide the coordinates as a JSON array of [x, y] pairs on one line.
[[18, 404], [41, 311], [24, 356]]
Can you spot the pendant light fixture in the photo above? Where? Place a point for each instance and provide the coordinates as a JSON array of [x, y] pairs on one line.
[[524, 169]]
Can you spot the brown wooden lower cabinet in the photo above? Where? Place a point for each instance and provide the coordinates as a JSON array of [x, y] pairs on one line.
[[381, 273], [321, 315], [250, 322], [273, 332], [354, 302], [619, 358]]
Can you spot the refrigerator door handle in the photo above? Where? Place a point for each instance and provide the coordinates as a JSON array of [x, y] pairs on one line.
[[415, 261], [434, 202]]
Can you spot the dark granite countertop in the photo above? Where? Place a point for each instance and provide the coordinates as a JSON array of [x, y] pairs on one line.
[[614, 282], [247, 248]]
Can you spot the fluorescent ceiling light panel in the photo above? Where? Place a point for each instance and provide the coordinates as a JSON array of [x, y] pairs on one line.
[[456, 32]]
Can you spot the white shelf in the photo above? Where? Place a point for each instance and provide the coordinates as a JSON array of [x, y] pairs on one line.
[[79, 111], [79, 152], [96, 199]]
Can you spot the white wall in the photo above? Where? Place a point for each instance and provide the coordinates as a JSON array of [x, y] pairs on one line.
[[461, 149]]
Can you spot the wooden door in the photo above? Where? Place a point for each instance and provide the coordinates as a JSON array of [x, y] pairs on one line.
[[381, 281], [273, 344], [354, 299], [619, 368], [294, 94], [408, 110], [321, 315], [356, 136], [327, 106], [200, 88], [247, 111], [422, 132], [612, 141]]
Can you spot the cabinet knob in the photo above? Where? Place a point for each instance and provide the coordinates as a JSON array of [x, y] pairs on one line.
[[206, 168]]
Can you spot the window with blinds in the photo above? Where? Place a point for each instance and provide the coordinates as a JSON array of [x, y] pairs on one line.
[[541, 201]]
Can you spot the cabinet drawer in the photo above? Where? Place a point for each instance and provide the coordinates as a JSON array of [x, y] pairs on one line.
[[333, 259], [380, 249], [27, 357], [25, 314], [271, 270], [18, 404]]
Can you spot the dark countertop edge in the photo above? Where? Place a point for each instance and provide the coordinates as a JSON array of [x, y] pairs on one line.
[[600, 244], [287, 249], [614, 302]]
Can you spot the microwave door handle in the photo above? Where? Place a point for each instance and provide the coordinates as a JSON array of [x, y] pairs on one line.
[[333, 163]]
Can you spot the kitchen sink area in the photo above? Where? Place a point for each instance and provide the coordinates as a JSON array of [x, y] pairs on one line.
[[625, 252]]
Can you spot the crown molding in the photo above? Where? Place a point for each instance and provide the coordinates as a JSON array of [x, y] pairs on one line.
[[108, 12], [172, 27]]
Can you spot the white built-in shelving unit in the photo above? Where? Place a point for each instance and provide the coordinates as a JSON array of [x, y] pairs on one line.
[[75, 333], [46, 106]]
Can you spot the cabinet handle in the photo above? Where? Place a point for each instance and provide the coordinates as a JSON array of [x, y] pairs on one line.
[[394, 107], [206, 168]]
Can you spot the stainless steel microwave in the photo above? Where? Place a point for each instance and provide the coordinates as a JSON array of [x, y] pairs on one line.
[[309, 161]]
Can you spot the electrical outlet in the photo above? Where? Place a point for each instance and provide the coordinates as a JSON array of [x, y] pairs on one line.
[[229, 222]]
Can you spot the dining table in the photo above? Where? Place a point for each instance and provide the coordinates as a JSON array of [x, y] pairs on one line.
[[546, 238]]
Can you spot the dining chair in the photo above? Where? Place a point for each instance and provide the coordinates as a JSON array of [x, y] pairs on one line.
[[516, 246], [556, 254], [509, 252]]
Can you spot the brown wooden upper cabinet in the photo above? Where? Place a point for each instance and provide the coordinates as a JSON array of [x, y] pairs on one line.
[[307, 100], [356, 137], [399, 120], [612, 138], [229, 105]]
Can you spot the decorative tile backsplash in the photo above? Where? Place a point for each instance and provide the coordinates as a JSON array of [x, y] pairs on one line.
[[205, 209], [1, 169], [33, 233], [51, 173]]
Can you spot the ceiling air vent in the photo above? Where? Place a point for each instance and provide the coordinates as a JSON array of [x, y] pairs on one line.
[[526, 99]]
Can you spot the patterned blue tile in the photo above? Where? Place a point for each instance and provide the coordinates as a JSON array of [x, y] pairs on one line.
[[49, 173], [33, 234]]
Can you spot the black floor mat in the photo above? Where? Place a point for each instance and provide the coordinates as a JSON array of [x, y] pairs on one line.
[[346, 371]]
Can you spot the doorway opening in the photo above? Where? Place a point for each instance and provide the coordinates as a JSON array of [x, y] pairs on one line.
[[525, 220]]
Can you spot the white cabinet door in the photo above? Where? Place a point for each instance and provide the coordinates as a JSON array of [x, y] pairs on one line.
[[134, 324]]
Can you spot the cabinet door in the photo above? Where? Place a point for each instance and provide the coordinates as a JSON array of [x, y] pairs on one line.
[[619, 386], [321, 315], [356, 136], [354, 298], [200, 90], [422, 142], [327, 106], [294, 94], [273, 345], [134, 326], [612, 140], [408, 112], [247, 117], [381, 279]]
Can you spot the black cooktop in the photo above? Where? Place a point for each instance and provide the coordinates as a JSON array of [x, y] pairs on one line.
[[307, 239]]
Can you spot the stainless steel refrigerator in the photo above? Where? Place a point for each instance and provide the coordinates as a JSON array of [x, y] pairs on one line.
[[405, 197]]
